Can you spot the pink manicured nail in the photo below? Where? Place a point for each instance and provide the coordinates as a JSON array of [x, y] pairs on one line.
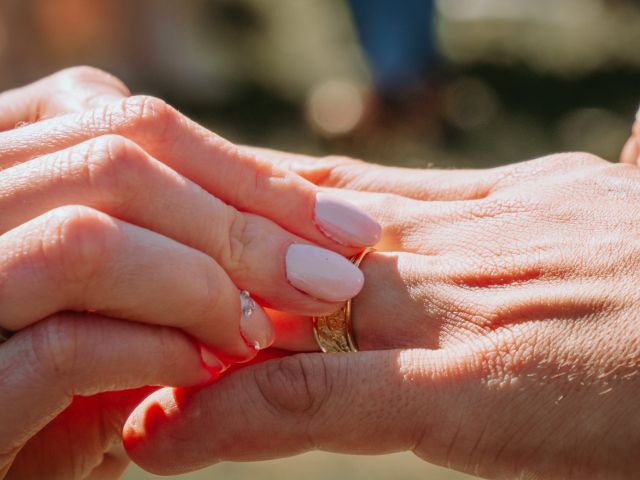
[[255, 326], [211, 361], [345, 223], [322, 273]]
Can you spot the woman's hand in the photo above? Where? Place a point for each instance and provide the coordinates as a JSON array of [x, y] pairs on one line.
[[103, 213], [91, 160], [502, 328]]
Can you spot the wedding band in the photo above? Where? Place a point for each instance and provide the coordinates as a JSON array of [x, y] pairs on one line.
[[334, 333], [5, 335]]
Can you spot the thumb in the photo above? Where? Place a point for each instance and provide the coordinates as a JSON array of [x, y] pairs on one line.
[[367, 403], [71, 90]]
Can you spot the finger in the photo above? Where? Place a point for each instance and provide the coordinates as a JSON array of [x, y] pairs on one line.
[[423, 184], [70, 90], [415, 226], [45, 365], [76, 258], [435, 302], [117, 177], [367, 403], [405, 301], [231, 174], [630, 152], [465, 408], [435, 227], [420, 184]]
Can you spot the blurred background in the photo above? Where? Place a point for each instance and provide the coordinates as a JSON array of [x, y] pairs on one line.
[[418, 82], [447, 83]]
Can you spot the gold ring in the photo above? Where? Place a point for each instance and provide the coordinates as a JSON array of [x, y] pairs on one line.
[[334, 333]]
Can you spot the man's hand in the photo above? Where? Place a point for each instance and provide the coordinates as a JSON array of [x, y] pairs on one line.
[[502, 328]]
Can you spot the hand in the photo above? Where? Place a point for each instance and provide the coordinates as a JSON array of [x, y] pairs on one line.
[[501, 327], [93, 221]]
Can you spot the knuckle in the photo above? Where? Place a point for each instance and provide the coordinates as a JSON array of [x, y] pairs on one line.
[[231, 249], [297, 385], [149, 116], [83, 74], [77, 242], [338, 171], [510, 353], [114, 166], [262, 176], [406, 228], [55, 345], [265, 175]]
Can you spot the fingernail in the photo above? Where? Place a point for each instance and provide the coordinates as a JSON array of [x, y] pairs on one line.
[[211, 361], [322, 273], [255, 325], [344, 222]]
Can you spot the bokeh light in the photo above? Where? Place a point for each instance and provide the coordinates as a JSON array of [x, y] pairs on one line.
[[335, 107]]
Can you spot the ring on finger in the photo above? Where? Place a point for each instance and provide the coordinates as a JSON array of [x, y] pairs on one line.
[[334, 333]]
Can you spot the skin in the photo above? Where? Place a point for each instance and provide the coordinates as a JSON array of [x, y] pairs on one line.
[[504, 365], [109, 282], [499, 326]]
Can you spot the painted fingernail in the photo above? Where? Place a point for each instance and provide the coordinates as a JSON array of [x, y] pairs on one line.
[[345, 223], [255, 326], [321, 273], [211, 361]]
